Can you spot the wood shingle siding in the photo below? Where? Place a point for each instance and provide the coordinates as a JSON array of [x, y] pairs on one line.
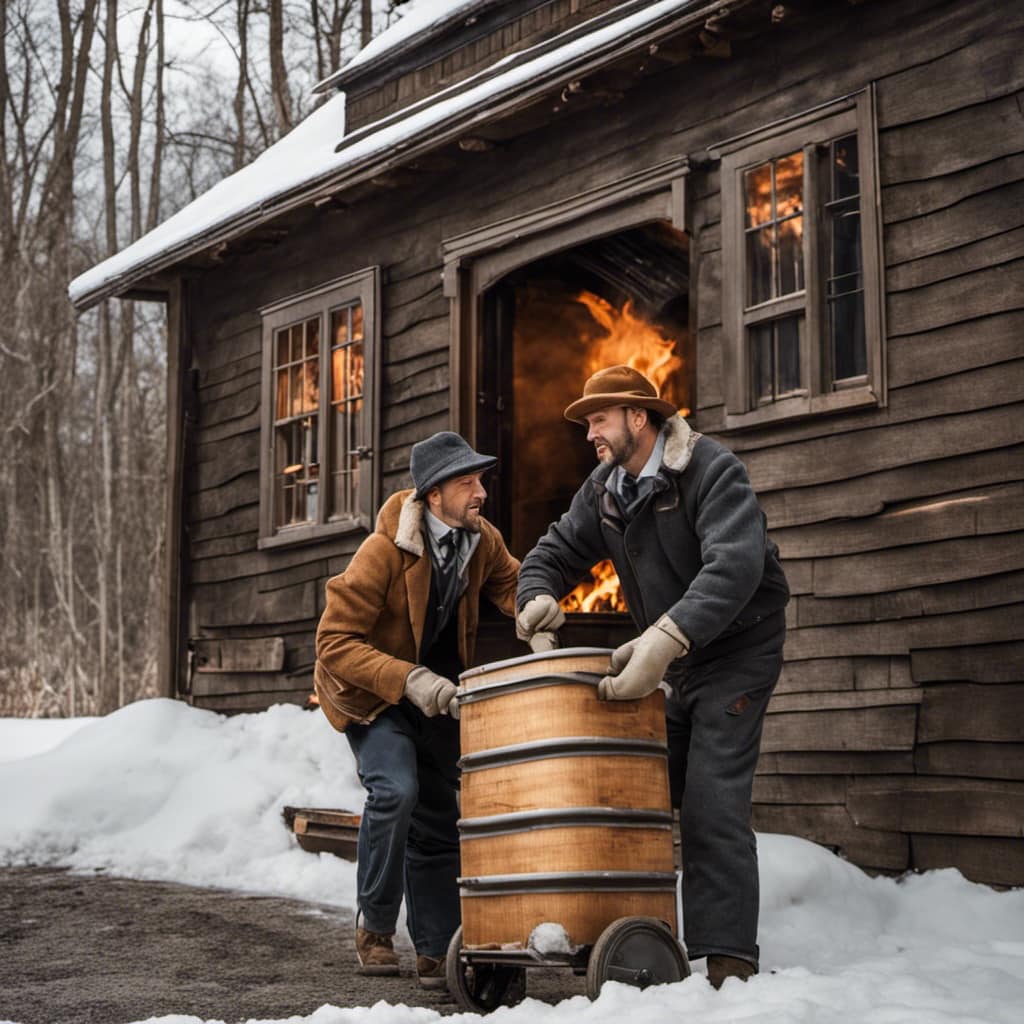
[[895, 735]]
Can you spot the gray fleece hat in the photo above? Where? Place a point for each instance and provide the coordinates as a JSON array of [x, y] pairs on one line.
[[441, 457]]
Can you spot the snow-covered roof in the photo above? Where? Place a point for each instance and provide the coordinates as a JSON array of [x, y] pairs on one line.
[[310, 162], [418, 17]]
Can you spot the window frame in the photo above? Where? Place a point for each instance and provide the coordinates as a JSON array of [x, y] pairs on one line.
[[806, 132], [362, 286]]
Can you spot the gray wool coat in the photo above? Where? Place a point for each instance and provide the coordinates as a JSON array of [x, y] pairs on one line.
[[697, 549]]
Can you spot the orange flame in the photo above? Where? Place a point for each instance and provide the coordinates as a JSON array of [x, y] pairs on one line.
[[632, 341], [601, 594]]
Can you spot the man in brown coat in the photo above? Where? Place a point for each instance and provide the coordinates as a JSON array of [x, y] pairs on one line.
[[399, 626]]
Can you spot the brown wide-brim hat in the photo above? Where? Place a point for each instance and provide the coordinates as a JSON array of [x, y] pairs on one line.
[[617, 385]]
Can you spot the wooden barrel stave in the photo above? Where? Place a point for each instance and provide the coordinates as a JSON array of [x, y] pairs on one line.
[[538, 745]]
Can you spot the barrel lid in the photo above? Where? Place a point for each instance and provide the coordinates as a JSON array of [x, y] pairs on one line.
[[527, 659]]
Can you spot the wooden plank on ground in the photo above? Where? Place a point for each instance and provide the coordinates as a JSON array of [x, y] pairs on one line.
[[972, 760], [995, 861], [872, 728], [985, 663], [971, 712], [833, 827], [936, 804]]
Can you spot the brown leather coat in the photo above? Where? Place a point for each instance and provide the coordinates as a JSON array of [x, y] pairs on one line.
[[372, 626]]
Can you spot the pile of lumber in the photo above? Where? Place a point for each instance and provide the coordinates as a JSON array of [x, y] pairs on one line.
[[321, 830]]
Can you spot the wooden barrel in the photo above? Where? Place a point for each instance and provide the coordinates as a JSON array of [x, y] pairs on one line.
[[565, 801]]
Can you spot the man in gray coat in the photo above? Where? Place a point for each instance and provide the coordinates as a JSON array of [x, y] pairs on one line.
[[675, 513]]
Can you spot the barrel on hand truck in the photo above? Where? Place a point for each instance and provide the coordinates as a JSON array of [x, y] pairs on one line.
[[565, 834]]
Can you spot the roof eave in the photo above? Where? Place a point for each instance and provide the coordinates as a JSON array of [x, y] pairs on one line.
[[496, 104]]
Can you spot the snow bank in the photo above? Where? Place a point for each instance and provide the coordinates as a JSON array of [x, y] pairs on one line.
[[160, 790]]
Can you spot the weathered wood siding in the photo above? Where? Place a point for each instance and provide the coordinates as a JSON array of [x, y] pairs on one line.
[[896, 732]]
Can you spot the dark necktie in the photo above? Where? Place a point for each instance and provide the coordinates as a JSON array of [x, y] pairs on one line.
[[629, 488], [450, 544]]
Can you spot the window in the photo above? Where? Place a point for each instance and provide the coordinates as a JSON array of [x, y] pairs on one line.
[[319, 420], [802, 296]]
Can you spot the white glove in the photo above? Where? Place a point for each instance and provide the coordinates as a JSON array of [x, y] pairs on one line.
[[540, 614], [431, 693], [639, 665]]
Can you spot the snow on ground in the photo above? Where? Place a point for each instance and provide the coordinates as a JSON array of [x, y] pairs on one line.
[[159, 790], [23, 737]]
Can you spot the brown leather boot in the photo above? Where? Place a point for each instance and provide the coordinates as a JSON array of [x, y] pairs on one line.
[[431, 972], [376, 953], [721, 967]]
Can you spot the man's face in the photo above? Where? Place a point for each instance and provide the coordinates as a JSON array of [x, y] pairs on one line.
[[612, 435], [458, 502]]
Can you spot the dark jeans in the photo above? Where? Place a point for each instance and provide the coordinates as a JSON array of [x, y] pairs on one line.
[[715, 715], [408, 837]]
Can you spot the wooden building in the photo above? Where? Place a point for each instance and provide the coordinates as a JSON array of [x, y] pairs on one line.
[[808, 217]]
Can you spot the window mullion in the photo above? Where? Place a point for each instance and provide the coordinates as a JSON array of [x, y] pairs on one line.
[[325, 447], [813, 348]]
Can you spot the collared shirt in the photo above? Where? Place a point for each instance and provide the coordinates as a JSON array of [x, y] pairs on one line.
[[436, 529], [651, 467]]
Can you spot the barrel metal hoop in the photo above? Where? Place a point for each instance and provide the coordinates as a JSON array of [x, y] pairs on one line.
[[571, 746], [526, 659], [563, 817], [503, 686], [568, 881]]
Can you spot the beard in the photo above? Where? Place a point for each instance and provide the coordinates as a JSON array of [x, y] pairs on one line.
[[467, 516], [620, 451]]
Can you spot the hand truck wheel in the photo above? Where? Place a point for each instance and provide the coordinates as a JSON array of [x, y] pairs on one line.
[[482, 987], [638, 951]]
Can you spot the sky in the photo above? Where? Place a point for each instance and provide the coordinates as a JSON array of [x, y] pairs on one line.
[[198, 797]]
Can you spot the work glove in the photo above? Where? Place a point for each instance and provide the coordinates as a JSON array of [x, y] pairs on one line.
[[639, 665], [432, 694], [540, 614]]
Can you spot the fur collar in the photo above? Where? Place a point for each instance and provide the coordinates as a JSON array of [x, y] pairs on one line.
[[679, 444], [409, 535]]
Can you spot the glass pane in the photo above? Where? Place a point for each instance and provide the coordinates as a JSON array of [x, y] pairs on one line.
[[788, 354], [789, 185], [791, 256], [281, 404], [339, 326], [313, 337], [761, 362], [296, 390], [848, 338], [846, 249], [296, 334], [357, 322], [355, 370], [310, 370], [845, 168], [282, 348], [757, 195], [338, 374], [759, 265]]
